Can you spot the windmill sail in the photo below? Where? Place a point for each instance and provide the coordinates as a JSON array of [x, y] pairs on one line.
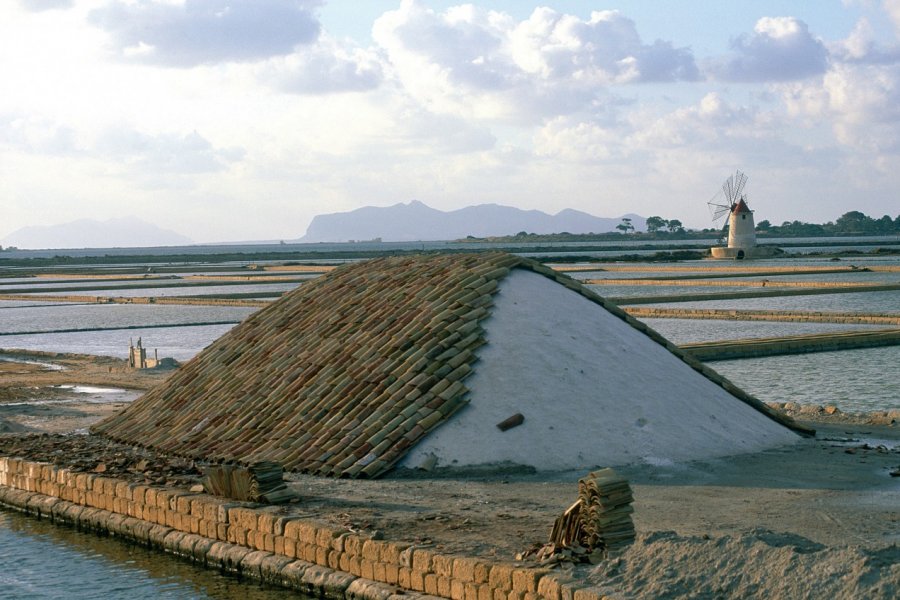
[[725, 200]]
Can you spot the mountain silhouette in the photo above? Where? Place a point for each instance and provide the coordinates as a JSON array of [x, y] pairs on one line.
[[414, 221], [87, 233]]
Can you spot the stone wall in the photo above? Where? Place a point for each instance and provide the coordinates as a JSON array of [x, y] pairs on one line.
[[259, 541]]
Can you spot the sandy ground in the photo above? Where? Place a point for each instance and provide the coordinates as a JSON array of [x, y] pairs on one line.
[[820, 518], [33, 396]]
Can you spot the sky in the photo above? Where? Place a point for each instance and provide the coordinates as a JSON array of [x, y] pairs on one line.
[[230, 120]]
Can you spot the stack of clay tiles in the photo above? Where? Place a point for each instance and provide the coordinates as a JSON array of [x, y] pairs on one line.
[[605, 498], [259, 482], [596, 526], [342, 376]]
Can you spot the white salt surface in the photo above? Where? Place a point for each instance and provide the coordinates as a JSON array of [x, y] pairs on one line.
[[593, 391], [89, 389]]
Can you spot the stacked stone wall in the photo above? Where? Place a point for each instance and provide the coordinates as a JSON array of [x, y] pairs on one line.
[[264, 543]]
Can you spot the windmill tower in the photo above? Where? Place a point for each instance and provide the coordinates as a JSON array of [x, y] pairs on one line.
[[732, 201]]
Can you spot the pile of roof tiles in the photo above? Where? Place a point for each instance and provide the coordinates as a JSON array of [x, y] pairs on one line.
[[259, 482], [341, 376], [606, 510], [596, 526]]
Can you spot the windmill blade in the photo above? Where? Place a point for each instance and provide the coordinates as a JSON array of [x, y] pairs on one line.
[[740, 182], [718, 206], [728, 188], [719, 210]]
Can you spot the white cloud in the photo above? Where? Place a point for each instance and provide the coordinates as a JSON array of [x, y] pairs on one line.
[[565, 138], [543, 110], [606, 49], [780, 49], [859, 96], [41, 5], [322, 68], [37, 135], [194, 32], [164, 154], [862, 103], [484, 64], [862, 47], [151, 154], [892, 8]]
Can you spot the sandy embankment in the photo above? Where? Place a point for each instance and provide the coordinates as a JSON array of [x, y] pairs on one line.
[[817, 519]]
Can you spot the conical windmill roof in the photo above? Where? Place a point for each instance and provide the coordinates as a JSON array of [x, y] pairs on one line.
[[345, 375], [741, 207]]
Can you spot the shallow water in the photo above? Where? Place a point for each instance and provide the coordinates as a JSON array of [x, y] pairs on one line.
[[260, 289], [867, 302], [87, 316], [58, 562], [864, 379], [686, 331], [180, 343]]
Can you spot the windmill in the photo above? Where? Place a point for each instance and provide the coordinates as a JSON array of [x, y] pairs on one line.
[[732, 201], [726, 199]]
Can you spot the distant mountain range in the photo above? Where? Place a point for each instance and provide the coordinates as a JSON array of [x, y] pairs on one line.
[[87, 233], [414, 221]]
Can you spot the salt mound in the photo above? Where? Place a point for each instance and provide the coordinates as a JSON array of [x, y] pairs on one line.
[[405, 358], [592, 391]]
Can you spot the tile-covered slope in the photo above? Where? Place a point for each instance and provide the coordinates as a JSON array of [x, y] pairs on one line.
[[339, 377], [344, 374]]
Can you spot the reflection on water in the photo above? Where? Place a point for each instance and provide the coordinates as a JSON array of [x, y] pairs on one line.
[[60, 562]]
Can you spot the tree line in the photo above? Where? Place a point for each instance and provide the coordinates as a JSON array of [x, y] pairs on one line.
[[850, 223]]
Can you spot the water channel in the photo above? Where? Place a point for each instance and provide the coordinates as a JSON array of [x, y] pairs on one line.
[[42, 560]]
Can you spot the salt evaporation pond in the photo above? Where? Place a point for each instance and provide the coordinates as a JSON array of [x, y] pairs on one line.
[[107, 316], [867, 302], [864, 379], [180, 343], [60, 562]]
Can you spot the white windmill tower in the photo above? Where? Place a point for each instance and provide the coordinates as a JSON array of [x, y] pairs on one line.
[[732, 201]]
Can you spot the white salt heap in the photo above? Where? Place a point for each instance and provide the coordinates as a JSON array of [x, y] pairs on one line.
[[592, 389]]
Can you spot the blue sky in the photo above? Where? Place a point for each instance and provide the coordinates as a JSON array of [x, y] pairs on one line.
[[243, 119]]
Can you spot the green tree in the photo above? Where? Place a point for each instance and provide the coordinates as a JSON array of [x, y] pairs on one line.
[[625, 226], [654, 224], [675, 226], [854, 222], [763, 225]]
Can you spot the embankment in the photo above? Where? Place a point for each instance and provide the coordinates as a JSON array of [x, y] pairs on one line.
[[725, 314], [796, 344], [261, 542]]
